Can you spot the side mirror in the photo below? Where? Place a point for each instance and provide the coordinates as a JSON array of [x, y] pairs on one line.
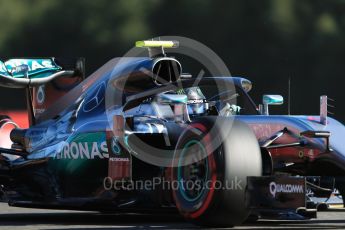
[[271, 100]]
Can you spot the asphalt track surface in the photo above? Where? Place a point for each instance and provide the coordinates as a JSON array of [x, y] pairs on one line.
[[20, 218]]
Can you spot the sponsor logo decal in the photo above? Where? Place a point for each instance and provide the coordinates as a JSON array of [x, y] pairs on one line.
[[115, 147], [40, 97], [32, 64], [39, 111], [119, 159], [84, 150], [82, 147], [285, 188], [195, 101]]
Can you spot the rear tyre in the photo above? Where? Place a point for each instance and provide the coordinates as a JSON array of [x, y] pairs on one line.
[[211, 170]]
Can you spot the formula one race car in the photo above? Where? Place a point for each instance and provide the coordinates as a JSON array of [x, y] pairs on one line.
[[139, 135]]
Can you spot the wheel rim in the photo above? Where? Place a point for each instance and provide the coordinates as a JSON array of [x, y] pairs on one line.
[[192, 178]]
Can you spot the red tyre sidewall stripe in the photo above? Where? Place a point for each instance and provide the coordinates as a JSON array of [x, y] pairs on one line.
[[212, 164]]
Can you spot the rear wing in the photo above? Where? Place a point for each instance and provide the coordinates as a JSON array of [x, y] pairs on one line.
[[30, 72], [45, 80]]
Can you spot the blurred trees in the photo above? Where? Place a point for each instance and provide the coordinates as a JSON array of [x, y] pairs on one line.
[[268, 41]]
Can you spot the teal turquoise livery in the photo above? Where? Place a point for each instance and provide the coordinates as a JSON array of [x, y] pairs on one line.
[[37, 68], [3, 69]]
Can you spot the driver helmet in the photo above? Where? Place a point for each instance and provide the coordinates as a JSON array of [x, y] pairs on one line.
[[196, 101]]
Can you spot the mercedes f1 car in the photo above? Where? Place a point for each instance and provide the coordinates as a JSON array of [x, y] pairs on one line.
[[140, 135]]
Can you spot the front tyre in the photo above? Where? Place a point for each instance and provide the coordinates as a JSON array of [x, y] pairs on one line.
[[212, 161]]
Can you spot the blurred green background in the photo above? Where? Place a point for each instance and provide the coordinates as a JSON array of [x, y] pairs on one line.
[[267, 41]]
